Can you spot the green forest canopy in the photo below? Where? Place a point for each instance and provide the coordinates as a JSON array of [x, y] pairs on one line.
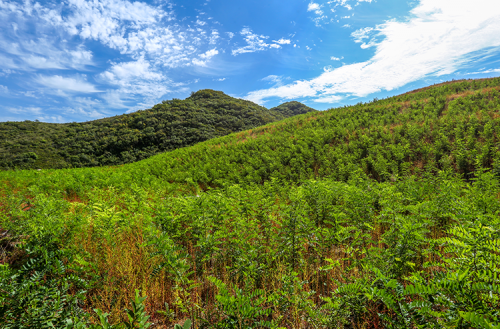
[[132, 137]]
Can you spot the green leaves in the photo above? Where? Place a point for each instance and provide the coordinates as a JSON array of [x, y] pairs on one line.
[[137, 317], [186, 325]]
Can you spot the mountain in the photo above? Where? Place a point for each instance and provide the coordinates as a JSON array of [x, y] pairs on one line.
[[131, 137], [379, 215]]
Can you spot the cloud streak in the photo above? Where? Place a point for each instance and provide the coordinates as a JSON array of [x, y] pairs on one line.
[[65, 84], [437, 39], [257, 42]]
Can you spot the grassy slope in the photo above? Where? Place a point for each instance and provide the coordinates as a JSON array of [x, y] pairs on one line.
[[355, 203], [131, 137], [449, 126]]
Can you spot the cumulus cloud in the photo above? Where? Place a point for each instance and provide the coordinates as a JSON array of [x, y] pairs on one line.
[[437, 39], [315, 7]]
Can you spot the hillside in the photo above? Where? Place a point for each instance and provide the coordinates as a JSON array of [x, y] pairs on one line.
[[378, 215], [132, 137], [289, 109]]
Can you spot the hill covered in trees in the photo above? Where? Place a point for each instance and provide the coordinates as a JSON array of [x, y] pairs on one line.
[[289, 109], [378, 215], [131, 137]]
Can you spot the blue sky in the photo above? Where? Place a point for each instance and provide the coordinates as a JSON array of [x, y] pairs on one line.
[[79, 60]]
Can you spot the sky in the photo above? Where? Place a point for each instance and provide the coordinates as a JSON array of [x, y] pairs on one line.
[[81, 60]]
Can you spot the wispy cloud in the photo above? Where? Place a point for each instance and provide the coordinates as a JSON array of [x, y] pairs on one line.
[[32, 111], [257, 42], [66, 84], [204, 58], [132, 79], [437, 39], [485, 71], [328, 99], [324, 10]]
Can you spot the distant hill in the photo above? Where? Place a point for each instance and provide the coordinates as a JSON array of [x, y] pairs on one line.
[[131, 137], [292, 108]]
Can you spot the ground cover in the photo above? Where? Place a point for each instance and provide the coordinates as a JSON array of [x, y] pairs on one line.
[[379, 215]]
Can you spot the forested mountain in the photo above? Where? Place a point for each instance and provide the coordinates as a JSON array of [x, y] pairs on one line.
[[290, 109], [131, 137], [379, 215]]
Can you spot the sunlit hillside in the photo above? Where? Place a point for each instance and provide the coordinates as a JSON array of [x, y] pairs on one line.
[[377, 215]]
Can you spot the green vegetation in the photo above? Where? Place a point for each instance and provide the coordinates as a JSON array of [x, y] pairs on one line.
[[378, 215], [132, 137], [290, 109]]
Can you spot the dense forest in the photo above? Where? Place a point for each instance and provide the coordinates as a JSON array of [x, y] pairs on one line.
[[379, 215], [132, 137]]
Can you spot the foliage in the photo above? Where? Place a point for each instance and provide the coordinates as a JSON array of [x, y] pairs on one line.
[[42, 293], [131, 137], [380, 215]]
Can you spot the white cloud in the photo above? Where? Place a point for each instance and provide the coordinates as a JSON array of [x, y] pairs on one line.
[[282, 41], [254, 42], [315, 7], [214, 37], [209, 54], [485, 71], [273, 78], [4, 90], [133, 28], [52, 118], [328, 99], [123, 73], [59, 83], [333, 58], [204, 58], [26, 110], [134, 78], [437, 39], [220, 80]]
